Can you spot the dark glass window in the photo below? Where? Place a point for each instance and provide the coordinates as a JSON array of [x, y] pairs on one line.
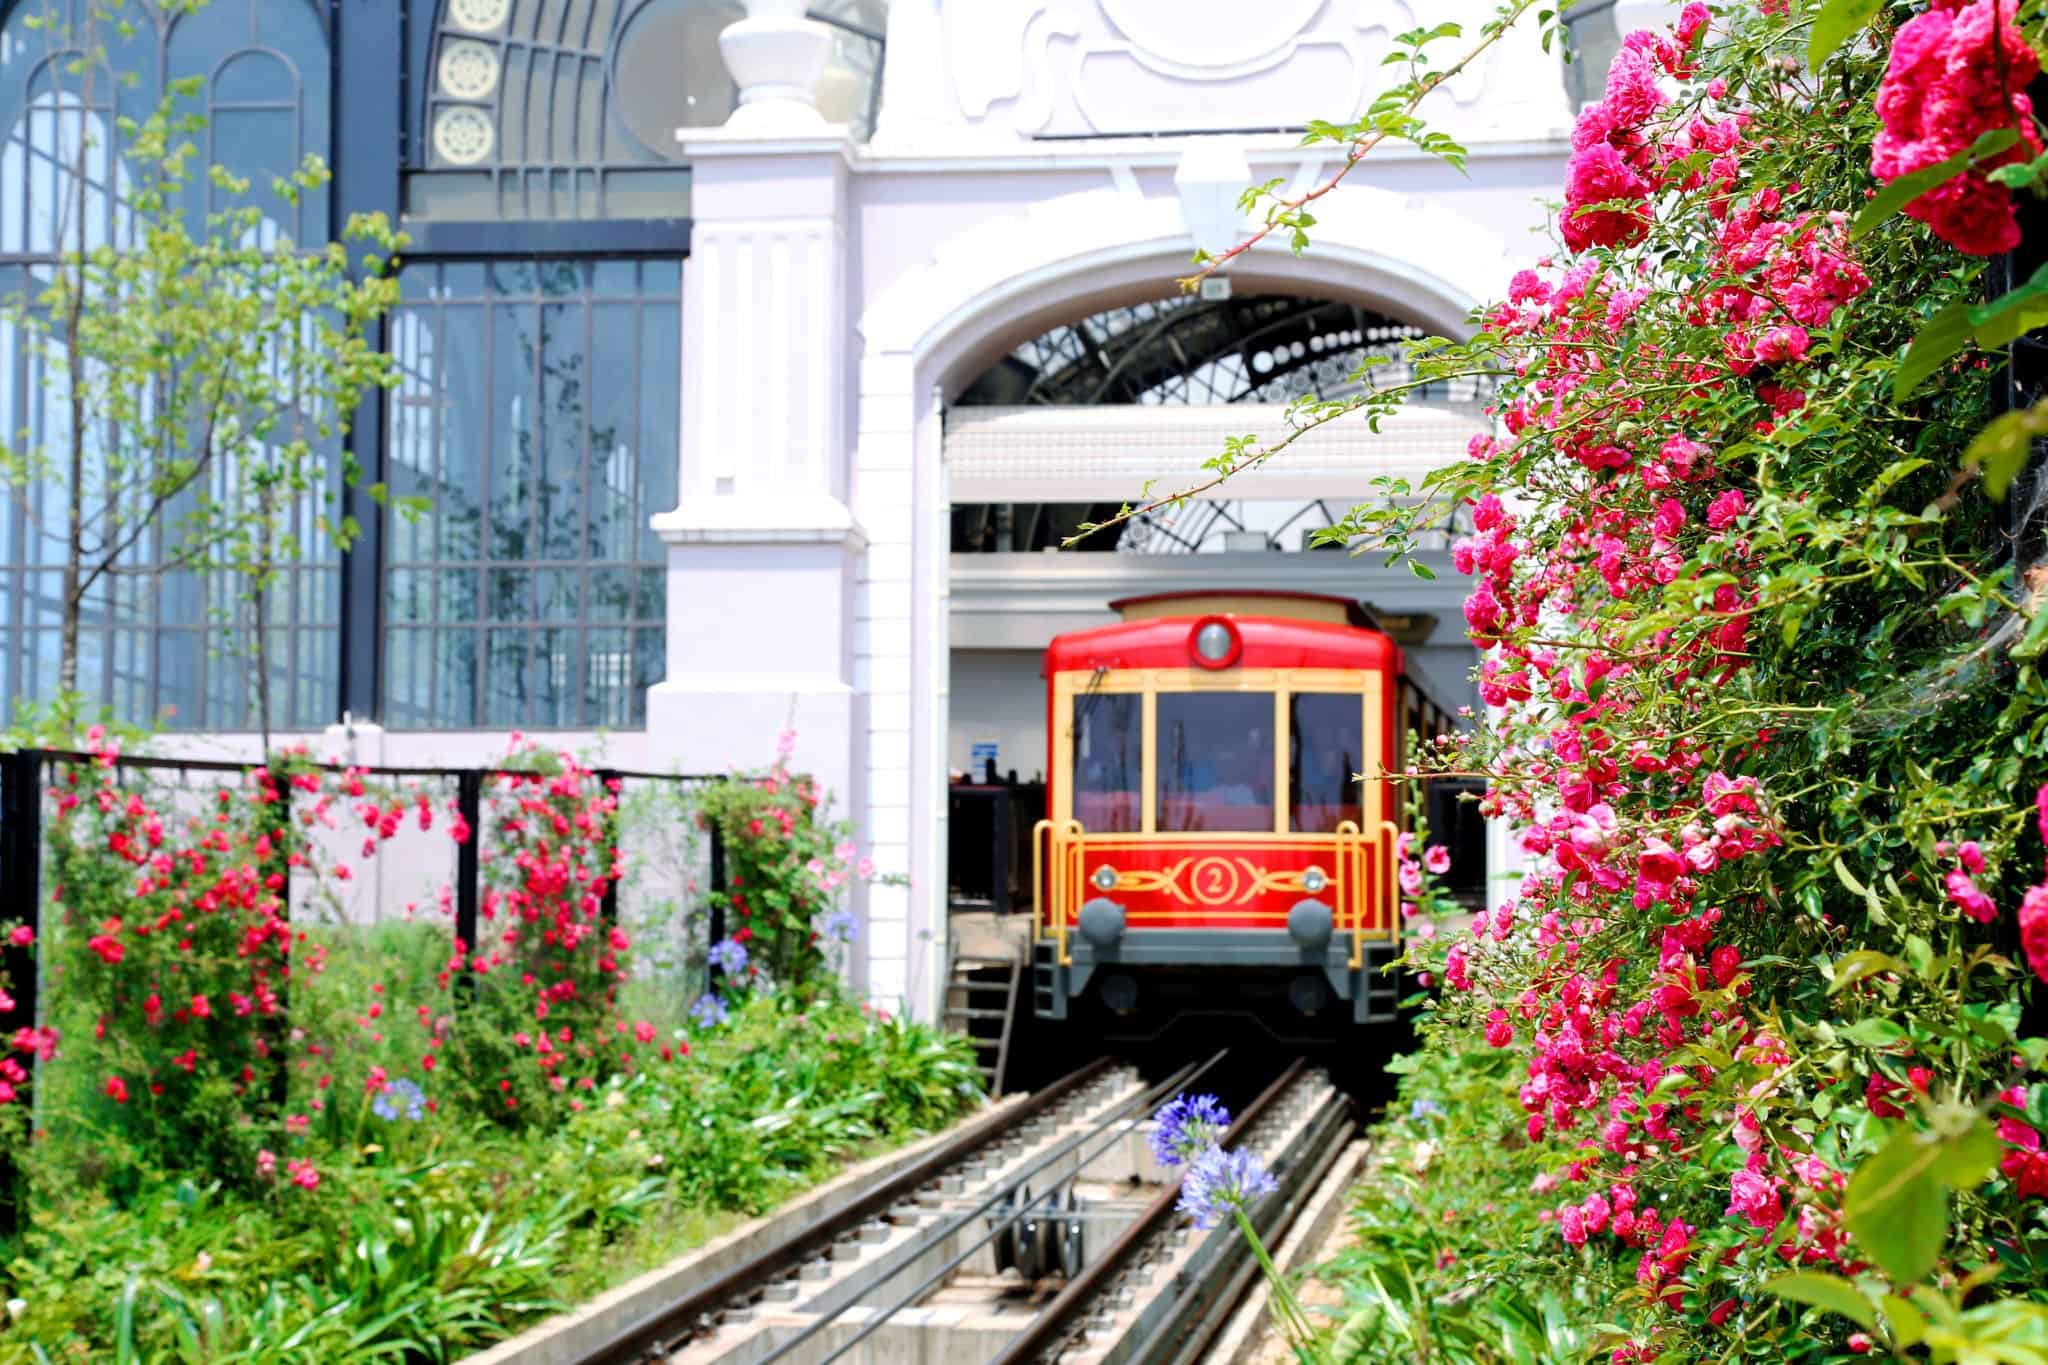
[[1455, 822], [1592, 38], [536, 417], [1215, 761], [1109, 757], [159, 641], [569, 108], [1326, 748]]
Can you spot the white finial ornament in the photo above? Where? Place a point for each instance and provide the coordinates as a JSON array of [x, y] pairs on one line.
[[776, 55]]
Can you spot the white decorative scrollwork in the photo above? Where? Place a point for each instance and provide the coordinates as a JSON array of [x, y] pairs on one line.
[[479, 16], [468, 70], [1211, 33], [463, 134]]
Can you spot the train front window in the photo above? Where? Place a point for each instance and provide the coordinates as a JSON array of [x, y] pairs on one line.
[[1109, 758], [1215, 761], [1326, 733]]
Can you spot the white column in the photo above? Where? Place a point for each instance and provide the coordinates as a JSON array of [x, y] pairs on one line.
[[762, 547], [885, 498]]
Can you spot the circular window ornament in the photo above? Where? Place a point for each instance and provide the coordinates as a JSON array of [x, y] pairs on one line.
[[1214, 642], [479, 16], [468, 70], [463, 135]]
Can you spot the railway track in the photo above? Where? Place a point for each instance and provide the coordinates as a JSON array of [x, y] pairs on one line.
[[1044, 1232]]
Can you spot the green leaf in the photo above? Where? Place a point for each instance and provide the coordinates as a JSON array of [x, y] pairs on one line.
[[2014, 313], [2000, 450], [1831, 1292], [1837, 22], [1912, 185], [1853, 967], [1968, 1159], [1896, 1206], [1945, 334], [2036, 638], [1874, 1032], [1909, 1324]]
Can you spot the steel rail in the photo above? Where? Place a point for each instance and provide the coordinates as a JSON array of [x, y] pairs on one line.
[[1143, 1104], [679, 1321], [1053, 1326]]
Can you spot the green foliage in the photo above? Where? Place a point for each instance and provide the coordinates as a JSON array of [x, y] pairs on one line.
[[1438, 1274], [1852, 636], [786, 864], [441, 1235]]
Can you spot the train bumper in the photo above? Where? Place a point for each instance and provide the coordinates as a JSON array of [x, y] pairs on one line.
[[1371, 989]]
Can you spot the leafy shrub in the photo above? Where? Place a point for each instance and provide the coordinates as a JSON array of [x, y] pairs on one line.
[[786, 867], [444, 1234]]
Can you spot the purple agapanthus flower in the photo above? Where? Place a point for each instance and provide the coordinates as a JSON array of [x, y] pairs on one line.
[[1220, 1183], [729, 956], [710, 1011], [1185, 1127], [839, 926], [401, 1097]]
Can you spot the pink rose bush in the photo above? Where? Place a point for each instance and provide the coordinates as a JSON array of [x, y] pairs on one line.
[[194, 969], [1764, 822], [1958, 71]]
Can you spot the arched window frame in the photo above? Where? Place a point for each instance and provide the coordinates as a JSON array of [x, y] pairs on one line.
[[151, 635]]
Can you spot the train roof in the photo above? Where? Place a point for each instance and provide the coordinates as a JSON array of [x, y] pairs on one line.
[[1276, 602], [1270, 641]]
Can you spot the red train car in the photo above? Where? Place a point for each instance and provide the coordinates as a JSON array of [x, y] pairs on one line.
[[1217, 824]]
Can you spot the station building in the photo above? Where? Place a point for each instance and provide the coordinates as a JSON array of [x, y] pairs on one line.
[[756, 360]]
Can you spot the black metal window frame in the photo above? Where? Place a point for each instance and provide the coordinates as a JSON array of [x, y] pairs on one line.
[[380, 111], [376, 106], [613, 600], [154, 620]]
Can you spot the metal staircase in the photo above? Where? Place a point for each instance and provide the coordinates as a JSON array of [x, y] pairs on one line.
[[985, 1010]]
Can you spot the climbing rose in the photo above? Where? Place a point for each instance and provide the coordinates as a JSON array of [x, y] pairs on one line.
[[1957, 72], [1597, 176], [2033, 918], [1755, 1198]]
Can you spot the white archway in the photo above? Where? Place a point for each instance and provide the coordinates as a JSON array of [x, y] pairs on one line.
[[931, 331]]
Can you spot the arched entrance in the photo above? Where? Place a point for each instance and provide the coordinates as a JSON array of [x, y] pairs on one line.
[[933, 335]]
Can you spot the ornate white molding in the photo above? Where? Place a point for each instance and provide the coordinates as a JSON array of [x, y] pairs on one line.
[[760, 519], [1405, 253]]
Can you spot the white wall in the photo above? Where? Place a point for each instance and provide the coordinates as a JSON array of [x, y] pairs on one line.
[[998, 696]]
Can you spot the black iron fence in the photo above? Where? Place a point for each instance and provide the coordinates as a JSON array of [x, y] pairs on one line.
[[669, 892]]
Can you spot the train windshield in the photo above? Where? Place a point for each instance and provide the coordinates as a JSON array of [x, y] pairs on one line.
[[1215, 761], [1109, 757], [1326, 742]]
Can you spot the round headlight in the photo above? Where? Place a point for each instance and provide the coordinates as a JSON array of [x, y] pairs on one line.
[[1315, 879], [1215, 643], [1104, 878]]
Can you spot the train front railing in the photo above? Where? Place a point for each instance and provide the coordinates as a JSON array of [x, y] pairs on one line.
[[1364, 881]]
